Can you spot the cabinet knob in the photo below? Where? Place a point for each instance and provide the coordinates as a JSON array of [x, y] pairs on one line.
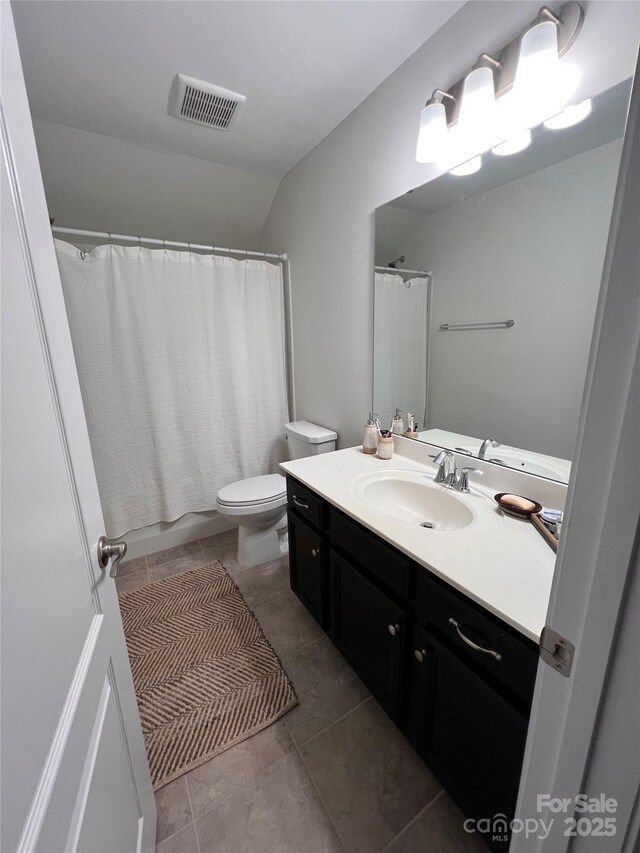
[[393, 629], [315, 552], [420, 655]]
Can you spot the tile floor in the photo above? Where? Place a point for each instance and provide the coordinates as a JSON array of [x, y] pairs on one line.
[[334, 775]]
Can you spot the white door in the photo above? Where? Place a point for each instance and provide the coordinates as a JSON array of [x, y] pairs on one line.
[[574, 747], [74, 768]]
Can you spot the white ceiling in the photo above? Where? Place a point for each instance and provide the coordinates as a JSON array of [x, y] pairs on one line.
[[304, 65]]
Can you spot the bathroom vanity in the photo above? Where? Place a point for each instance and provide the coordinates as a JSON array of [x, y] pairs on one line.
[[435, 621]]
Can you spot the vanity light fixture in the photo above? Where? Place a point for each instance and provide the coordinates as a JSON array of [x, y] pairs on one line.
[[495, 105], [432, 137], [514, 144], [469, 168], [569, 116]]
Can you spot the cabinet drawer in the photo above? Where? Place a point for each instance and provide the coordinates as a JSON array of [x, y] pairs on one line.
[[380, 560], [459, 623], [306, 503]]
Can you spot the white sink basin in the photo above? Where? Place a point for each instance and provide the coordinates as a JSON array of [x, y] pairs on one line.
[[414, 499], [530, 465]]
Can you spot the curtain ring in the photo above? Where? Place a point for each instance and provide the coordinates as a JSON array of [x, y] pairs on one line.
[[164, 246], [110, 240], [139, 244], [83, 254]]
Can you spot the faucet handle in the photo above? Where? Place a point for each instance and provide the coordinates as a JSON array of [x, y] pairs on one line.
[[461, 478]]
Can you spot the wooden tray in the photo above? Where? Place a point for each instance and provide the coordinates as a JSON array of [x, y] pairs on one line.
[[550, 538]]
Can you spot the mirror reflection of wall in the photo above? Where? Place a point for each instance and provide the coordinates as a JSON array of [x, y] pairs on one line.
[[524, 238], [401, 336]]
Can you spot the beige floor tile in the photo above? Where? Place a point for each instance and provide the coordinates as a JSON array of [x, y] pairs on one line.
[[182, 564], [277, 813], [287, 624], [184, 841], [168, 554], [326, 685], [129, 567], [371, 781], [174, 809], [439, 829], [215, 780], [127, 582], [260, 584]]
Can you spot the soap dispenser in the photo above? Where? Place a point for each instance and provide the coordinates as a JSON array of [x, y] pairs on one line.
[[371, 433], [397, 424]]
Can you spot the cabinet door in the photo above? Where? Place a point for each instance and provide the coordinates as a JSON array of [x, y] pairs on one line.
[[307, 568], [368, 628], [470, 736]]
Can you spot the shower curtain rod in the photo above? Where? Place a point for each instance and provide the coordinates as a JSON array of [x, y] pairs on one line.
[[165, 244], [398, 269]]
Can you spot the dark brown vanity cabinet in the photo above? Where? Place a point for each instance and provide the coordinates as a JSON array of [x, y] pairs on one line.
[[308, 568], [369, 629], [455, 678], [470, 737]]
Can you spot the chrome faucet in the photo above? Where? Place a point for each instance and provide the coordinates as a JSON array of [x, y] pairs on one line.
[[488, 442], [448, 473], [460, 481], [446, 467]]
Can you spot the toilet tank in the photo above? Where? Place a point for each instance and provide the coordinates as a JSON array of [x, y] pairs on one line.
[[307, 439]]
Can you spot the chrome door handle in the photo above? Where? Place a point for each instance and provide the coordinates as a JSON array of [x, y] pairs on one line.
[[110, 550], [473, 645], [298, 502]]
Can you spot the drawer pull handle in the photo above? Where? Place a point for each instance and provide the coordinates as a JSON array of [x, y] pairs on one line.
[[315, 552], [298, 502], [473, 645], [393, 629], [420, 655]]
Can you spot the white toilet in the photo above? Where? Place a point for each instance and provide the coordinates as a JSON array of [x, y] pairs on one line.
[[259, 505]]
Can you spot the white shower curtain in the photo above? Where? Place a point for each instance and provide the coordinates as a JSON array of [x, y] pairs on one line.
[[182, 368], [401, 339]]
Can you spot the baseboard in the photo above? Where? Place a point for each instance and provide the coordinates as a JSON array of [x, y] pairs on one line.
[[168, 534]]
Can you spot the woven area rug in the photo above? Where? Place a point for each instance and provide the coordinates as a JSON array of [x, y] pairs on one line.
[[205, 675]]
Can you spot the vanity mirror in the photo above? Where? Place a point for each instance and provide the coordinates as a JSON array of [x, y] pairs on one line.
[[485, 294]]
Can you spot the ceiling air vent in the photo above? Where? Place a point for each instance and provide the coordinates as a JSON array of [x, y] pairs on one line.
[[204, 103]]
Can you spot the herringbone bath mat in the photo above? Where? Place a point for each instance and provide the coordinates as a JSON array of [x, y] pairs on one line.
[[206, 677]]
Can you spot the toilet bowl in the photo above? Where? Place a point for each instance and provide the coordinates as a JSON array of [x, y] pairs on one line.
[[258, 505]]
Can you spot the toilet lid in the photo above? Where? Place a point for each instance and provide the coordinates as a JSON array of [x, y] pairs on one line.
[[253, 491]]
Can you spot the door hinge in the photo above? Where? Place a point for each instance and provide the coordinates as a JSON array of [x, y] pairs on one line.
[[557, 651]]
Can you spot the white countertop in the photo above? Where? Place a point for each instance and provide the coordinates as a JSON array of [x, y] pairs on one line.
[[505, 567]]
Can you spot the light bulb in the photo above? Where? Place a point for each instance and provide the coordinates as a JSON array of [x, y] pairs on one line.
[[569, 116], [469, 168], [538, 59], [432, 136], [478, 96], [540, 88], [514, 144], [474, 132]]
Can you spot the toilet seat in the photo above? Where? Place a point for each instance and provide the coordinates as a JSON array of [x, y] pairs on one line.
[[256, 491]]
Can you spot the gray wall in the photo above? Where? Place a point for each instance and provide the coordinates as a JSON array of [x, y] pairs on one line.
[[101, 183], [532, 249], [323, 212]]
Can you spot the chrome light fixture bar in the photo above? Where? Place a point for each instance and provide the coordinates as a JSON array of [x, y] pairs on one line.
[[495, 105]]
